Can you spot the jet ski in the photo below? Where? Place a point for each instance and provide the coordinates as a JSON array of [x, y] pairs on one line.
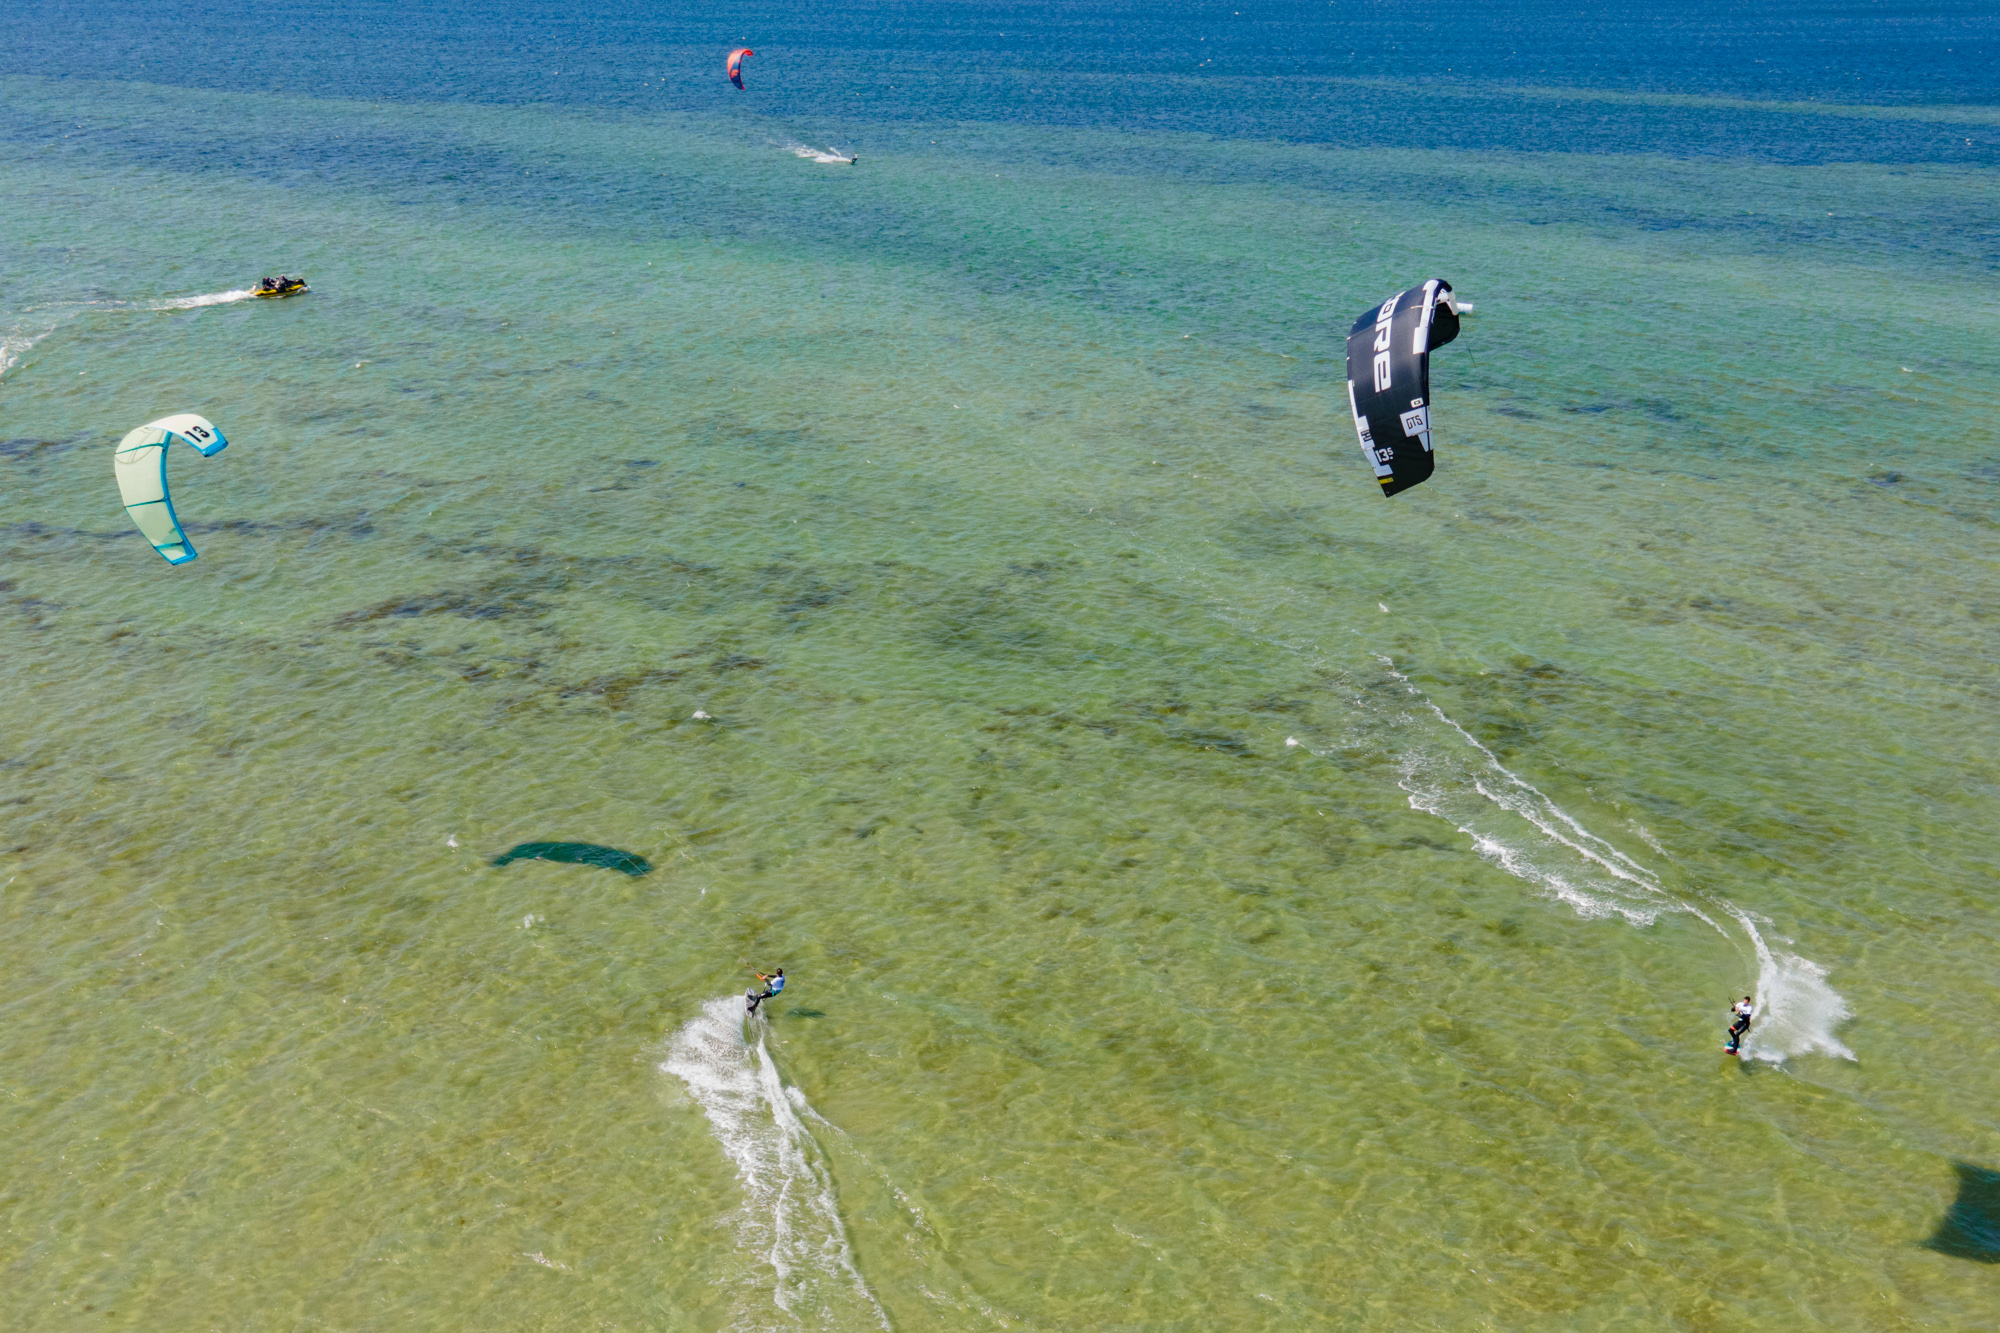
[[280, 286]]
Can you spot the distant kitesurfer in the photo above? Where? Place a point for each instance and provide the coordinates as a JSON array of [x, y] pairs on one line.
[[774, 985], [1743, 1011]]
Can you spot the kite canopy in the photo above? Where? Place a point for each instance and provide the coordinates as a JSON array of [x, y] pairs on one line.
[[141, 465], [735, 65], [1389, 380]]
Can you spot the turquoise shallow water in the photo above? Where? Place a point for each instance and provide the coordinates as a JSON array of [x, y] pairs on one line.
[[1214, 897]]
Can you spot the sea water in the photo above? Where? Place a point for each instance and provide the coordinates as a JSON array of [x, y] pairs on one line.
[[1214, 896]]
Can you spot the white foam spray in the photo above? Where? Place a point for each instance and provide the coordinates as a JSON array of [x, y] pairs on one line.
[[16, 343], [826, 157], [790, 1219], [1797, 1011], [196, 302], [1448, 773]]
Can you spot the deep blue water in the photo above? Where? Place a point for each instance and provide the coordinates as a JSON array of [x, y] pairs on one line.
[[1284, 71]]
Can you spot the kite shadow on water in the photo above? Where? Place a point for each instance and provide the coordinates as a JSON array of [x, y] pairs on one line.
[[1971, 1226], [578, 853]]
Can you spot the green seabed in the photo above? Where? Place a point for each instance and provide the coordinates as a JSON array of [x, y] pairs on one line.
[[1072, 711]]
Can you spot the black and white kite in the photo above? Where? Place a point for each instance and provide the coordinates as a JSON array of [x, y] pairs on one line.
[[1389, 380]]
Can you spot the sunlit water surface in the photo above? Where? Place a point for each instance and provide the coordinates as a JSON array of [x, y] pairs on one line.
[[1214, 897]]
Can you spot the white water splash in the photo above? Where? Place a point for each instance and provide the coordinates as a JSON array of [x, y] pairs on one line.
[[790, 1219], [828, 157], [17, 342], [1797, 1011]]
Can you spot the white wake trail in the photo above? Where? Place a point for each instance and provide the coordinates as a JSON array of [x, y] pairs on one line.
[[1515, 825], [1446, 772], [196, 302], [1519, 828], [39, 321], [17, 342], [790, 1219], [811, 154]]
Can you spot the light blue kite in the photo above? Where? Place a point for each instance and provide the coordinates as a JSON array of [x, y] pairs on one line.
[[141, 464]]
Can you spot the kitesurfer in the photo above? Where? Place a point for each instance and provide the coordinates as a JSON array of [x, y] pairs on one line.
[[774, 986], [1742, 1011]]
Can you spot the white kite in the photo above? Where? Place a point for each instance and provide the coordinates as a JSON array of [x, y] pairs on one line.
[[141, 465]]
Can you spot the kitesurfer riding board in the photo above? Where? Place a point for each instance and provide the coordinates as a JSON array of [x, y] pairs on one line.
[[1741, 1013], [774, 986]]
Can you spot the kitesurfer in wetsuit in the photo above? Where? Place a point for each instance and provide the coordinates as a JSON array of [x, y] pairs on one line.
[[774, 986], [1743, 1010]]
